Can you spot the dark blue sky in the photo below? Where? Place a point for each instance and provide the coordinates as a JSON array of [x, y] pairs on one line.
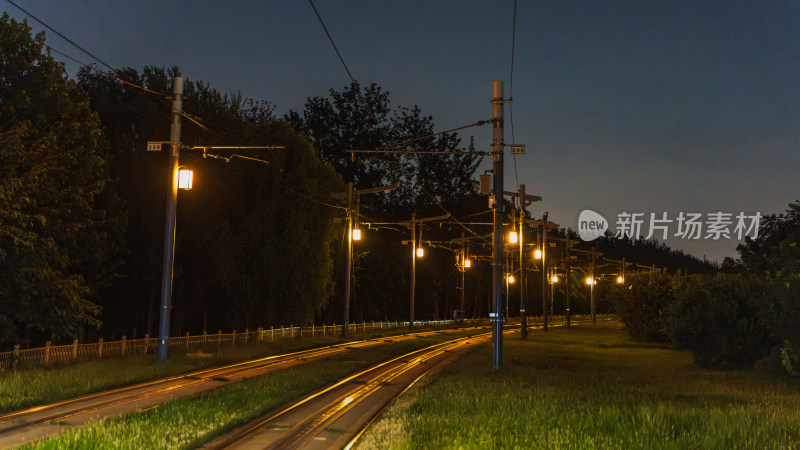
[[634, 106]]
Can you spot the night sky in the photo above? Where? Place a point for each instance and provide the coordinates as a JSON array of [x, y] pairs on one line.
[[625, 106]]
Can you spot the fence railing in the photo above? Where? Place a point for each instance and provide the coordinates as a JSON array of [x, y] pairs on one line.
[[55, 355]]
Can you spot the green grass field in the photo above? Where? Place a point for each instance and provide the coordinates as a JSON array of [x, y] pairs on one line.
[[590, 387], [27, 388], [190, 421]]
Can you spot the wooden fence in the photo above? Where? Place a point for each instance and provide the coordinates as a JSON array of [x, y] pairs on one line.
[[55, 355]]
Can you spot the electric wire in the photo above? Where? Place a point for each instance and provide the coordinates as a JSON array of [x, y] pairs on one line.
[[448, 212], [350, 75], [407, 141], [161, 98], [61, 35]]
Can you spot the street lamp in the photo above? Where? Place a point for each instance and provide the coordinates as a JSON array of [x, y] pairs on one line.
[[620, 280], [512, 237], [356, 234], [467, 263], [185, 179], [420, 252], [554, 279], [537, 254], [589, 281]]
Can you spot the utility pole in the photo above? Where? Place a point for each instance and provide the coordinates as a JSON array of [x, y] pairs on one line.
[[544, 271], [524, 200], [463, 279], [169, 225], [497, 235], [347, 197], [591, 288], [413, 271], [349, 262], [413, 225], [567, 274]]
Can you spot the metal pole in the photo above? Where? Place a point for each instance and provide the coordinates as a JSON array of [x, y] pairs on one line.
[[567, 277], [544, 271], [349, 259], [463, 279], [169, 224], [523, 278], [591, 290], [413, 270], [497, 235]]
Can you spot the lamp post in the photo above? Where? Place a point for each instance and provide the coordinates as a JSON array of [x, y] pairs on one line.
[[416, 252], [169, 225]]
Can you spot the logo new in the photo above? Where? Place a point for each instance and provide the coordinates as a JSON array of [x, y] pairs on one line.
[[591, 225]]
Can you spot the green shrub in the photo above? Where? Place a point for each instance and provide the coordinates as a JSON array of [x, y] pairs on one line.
[[640, 305], [719, 319], [780, 307]]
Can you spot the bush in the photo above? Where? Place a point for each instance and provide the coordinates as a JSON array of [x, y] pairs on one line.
[[640, 305], [780, 307], [720, 320]]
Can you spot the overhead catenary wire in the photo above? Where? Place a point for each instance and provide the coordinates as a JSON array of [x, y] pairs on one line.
[[349, 74], [162, 98], [61, 35]]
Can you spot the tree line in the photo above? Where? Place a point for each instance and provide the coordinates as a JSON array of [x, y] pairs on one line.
[[257, 243], [745, 313]]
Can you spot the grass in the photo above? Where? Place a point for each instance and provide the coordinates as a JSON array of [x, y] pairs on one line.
[[27, 388], [191, 421], [590, 387]]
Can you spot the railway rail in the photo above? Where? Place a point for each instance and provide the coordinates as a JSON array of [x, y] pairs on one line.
[[40, 422], [335, 416]]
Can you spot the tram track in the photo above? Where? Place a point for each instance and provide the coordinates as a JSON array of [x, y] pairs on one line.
[[335, 416], [43, 421]]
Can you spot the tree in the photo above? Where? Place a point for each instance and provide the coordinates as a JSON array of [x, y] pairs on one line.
[[777, 247], [56, 239], [362, 119], [253, 239]]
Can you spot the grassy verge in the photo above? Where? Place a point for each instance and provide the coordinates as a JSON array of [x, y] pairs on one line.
[[40, 386], [590, 387], [188, 422]]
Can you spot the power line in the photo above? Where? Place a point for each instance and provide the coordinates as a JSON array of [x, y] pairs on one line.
[[448, 212], [397, 144], [350, 75], [61, 35]]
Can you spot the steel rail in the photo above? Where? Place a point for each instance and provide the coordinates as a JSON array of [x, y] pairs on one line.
[[321, 417], [149, 389]]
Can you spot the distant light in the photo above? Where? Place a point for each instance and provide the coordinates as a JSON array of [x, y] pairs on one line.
[[185, 179], [512, 237], [620, 280], [420, 252], [589, 281], [511, 279], [554, 279], [467, 263], [356, 234], [537, 254]]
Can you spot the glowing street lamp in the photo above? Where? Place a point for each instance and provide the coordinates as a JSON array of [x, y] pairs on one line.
[[554, 279], [420, 252], [356, 234], [185, 179], [510, 279], [590, 281], [620, 280], [537, 254], [512, 237], [467, 263]]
